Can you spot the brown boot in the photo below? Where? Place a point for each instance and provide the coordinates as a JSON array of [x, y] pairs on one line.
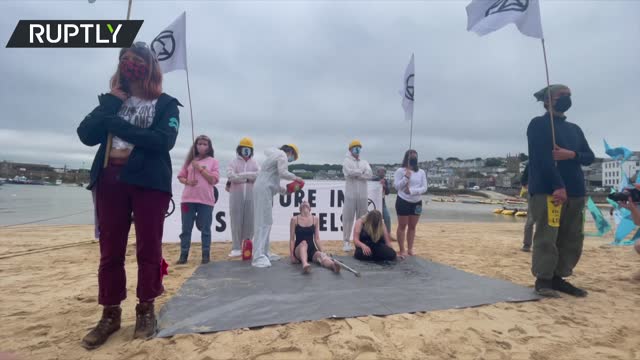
[[108, 324], [145, 321]]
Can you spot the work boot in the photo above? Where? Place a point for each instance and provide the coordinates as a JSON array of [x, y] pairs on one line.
[[205, 257], [145, 321], [108, 324], [564, 286], [183, 258], [545, 288], [526, 248]]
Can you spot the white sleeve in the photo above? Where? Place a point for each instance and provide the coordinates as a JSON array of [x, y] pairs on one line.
[[249, 175], [422, 188], [350, 169], [368, 174], [399, 180], [283, 168], [233, 176]]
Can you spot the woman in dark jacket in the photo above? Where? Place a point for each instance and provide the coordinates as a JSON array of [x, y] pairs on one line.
[[142, 123]]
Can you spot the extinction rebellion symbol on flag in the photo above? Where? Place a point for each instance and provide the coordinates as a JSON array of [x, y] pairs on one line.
[[164, 45], [507, 5], [408, 87]]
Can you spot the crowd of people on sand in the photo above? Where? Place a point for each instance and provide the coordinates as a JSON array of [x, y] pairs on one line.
[[136, 126]]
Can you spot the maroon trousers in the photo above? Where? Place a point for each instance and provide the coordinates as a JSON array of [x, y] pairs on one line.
[[115, 202]]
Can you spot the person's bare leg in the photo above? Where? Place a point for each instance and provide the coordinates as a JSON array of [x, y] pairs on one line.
[[325, 261], [411, 232], [301, 251], [403, 221]]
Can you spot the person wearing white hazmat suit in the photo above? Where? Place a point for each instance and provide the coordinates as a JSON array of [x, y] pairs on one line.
[[242, 173], [267, 185], [356, 174]]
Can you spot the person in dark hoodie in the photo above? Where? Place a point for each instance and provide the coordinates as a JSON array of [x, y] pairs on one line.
[[556, 183], [136, 181]]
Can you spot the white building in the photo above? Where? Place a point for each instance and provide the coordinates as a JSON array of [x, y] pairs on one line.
[[611, 171], [464, 164]]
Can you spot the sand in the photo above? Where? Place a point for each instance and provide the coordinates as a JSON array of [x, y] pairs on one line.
[[48, 303]]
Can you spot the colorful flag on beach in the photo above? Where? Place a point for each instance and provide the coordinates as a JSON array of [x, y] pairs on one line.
[[601, 223], [486, 16], [618, 153]]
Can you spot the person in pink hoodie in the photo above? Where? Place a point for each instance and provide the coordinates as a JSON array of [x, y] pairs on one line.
[[200, 173], [241, 172]]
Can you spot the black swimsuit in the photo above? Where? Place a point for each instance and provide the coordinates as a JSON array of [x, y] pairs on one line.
[[305, 233]]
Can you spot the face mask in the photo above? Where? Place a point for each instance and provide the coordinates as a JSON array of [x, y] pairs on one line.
[[355, 151], [413, 162], [291, 158], [133, 71], [563, 103], [245, 152], [202, 149]]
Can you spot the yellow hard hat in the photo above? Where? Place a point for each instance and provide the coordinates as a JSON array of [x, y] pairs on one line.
[[295, 149], [246, 142], [354, 143]]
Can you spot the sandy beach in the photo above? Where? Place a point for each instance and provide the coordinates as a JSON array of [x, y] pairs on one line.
[[48, 303]]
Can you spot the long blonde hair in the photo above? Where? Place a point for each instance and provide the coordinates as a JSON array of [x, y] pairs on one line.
[[373, 224]]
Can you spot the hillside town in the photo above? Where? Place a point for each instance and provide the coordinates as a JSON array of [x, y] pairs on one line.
[[493, 173]]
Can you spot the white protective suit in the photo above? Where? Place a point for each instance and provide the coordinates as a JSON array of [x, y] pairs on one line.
[[267, 185], [356, 174], [242, 175]]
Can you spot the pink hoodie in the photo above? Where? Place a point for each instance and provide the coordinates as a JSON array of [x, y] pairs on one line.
[[202, 193]]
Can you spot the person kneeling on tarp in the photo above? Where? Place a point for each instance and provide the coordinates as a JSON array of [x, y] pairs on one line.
[[304, 242], [372, 239]]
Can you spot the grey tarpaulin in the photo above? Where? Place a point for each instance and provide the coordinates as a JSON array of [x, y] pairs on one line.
[[232, 294]]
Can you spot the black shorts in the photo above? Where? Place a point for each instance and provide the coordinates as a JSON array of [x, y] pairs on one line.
[[405, 208]]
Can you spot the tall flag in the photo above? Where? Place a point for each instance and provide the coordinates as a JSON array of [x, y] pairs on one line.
[[170, 46], [408, 90], [486, 16]]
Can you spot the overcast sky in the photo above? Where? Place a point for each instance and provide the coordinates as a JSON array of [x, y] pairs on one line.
[[320, 73]]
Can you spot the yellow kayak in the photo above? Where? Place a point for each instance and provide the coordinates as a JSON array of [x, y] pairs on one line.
[[521, 213], [508, 212]]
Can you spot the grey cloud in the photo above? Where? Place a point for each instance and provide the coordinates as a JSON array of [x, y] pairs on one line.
[[322, 73]]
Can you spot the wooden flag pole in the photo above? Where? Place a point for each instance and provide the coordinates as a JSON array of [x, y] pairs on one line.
[[549, 106], [110, 136]]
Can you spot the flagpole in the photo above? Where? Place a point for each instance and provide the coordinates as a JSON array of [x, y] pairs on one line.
[[411, 133], [110, 136], [549, 106], [193, 137]]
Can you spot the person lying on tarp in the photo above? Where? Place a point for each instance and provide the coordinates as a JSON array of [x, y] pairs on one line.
[[372, 239], [304, 241]]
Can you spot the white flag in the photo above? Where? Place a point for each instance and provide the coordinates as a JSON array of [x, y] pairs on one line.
[[408, 90], [485, 16], [170, 46]]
